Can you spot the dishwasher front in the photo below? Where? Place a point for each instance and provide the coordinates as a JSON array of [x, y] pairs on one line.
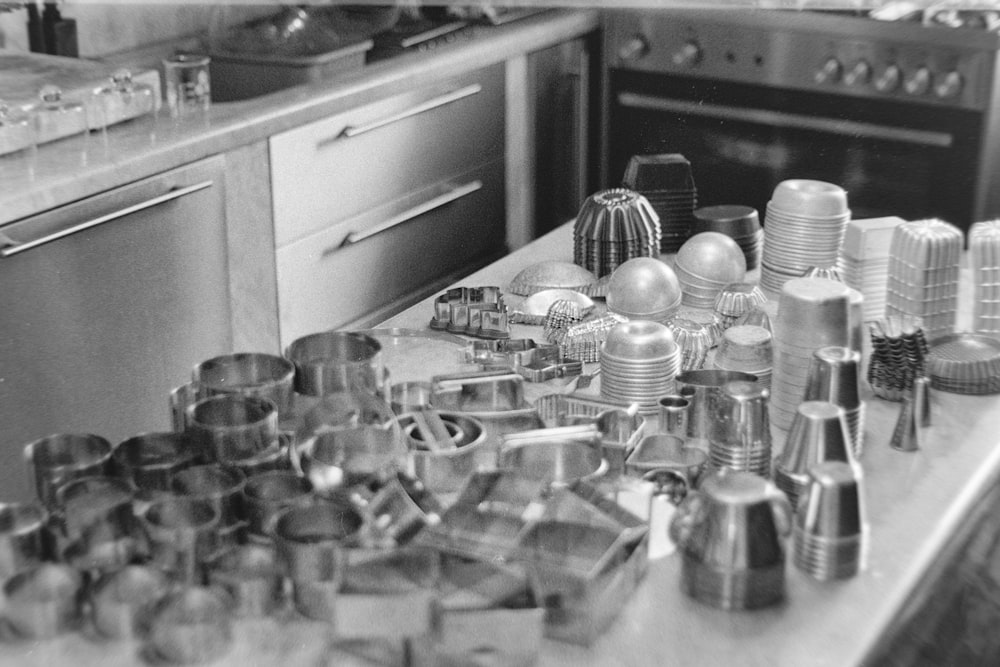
[[105, 305]]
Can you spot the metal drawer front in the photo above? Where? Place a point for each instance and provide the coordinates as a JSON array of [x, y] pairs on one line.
[[107, 304], [325, 283], [342, 166]]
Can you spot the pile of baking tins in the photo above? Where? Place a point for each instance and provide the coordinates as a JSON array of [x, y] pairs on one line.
[[803, 227], [924, 260], [694, 340], [667, 183], [583, 340], [644, 288], [898, 356], [740, 223], [612, 227], [965, 363], [553, 274], [863, 263], [705, 265], [984, 258], [639, 361], [735, 300]]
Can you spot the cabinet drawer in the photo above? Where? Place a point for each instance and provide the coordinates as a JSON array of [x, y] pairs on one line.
[[397, 254], [347, 164]]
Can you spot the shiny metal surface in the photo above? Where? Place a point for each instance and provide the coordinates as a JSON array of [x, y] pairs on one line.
[[110, 381]]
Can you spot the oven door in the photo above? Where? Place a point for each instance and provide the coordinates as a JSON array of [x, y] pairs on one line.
[[914, 161]]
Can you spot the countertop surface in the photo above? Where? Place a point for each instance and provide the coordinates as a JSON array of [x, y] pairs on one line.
[[76, 167]]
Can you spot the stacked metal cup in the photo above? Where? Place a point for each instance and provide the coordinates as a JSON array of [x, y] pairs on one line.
[[830, 531], [923, 274], [984, 257], [803, 227], [863, 262], [818, 434], [612, 227], [639, 362], [743, 439], [812, 313], [740, 223], [746, 348], [666, 182], [834, 376]]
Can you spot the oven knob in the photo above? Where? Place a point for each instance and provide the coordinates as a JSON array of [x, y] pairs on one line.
[[633, 49], [919, 82], [689, 54], [888, 80], [950, 86], [858, 75], [829, 72]]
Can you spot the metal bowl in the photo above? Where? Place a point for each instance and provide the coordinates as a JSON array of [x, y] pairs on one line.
[[714, 257], [643, 286], [639, 339]]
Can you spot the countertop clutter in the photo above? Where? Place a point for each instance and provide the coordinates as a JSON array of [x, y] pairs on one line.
[[928, 511]]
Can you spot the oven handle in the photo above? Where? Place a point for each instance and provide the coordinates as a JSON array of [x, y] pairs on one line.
[[782, 119]]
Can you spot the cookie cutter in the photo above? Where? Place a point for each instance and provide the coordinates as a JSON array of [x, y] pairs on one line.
[[486, 391], [542, 371], [509, 352], [473, 311]]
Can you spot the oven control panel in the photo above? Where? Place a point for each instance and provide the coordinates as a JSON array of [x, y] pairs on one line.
[[836, 54]]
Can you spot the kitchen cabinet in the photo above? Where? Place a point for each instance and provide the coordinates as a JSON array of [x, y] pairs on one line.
[[107, 304], [377, 206]]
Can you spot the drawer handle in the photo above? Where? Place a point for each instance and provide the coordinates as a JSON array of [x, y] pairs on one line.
[[12, 247], [448, 98], [429, 205]]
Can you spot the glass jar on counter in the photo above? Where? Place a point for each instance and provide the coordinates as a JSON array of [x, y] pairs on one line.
[[121, 99], [16, 130], [56, 116]]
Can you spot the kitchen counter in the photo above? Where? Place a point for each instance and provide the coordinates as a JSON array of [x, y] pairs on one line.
[[923, 508], [74, 168]]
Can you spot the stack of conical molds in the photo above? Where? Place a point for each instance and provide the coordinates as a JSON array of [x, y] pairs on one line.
[[984, 258], [666, 181], [612, 227], [834, 376], [923, 274], [812, 313], [818, 434]]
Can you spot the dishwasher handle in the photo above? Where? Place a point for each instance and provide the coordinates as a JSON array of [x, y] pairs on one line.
[[12, 247], [356, 130]]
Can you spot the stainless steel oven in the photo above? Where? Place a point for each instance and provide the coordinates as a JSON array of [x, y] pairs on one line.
[[902, 115]]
